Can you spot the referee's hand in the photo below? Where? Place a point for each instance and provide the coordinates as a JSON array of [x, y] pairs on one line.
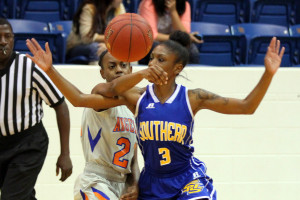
[[64, 163]]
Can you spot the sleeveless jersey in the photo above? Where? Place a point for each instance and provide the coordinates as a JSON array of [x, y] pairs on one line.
[[165, 132], [108, 138]]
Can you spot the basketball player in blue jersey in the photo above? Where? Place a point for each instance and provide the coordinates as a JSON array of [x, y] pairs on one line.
[[165, 116]]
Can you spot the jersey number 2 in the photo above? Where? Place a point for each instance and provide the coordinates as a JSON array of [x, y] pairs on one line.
[[119, 154], [165, 154]]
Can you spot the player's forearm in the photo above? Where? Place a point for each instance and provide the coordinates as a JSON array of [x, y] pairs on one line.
[[253, 100], [72, 93], [124, 83], [63, 122]]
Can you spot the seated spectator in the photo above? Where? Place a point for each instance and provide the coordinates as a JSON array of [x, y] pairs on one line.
[[166, 16], [89, 23]]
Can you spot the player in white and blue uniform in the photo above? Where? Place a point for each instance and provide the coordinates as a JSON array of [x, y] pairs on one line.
[[164, 117]]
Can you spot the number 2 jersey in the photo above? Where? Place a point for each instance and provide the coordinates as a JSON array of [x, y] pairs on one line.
[[165, 132], [108, 140]]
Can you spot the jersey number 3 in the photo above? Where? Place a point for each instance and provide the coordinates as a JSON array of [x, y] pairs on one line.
[[119, 154], [165, 154]]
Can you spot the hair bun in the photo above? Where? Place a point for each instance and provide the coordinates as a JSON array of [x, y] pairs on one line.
[[181, 37]]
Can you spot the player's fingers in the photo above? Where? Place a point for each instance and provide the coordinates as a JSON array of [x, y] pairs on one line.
[[273, 43], [36, 44], [48, 51], [277, 46], [30, 46], [282, 52], [153, 76], [161, 74]]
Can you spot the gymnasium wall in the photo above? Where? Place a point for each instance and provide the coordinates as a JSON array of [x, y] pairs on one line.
[[249, 157]]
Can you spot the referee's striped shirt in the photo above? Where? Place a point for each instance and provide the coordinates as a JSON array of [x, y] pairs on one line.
[[23, 86]]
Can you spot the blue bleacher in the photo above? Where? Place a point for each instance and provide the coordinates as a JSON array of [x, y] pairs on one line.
[[27, 29], [131, 6], [45, 10], [280, 12], [258, 38], [64, 28], [8, 8], [220, 11], [220, 48]]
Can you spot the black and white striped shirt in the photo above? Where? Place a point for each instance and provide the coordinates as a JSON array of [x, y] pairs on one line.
[[23, 86]]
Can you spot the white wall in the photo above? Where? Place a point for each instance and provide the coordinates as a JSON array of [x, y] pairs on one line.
[[249, 157]]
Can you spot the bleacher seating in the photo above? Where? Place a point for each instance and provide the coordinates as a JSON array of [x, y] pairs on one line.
[[220, 48], [8, 8], [280, 12], [64, 28], [220, 11], [131, 6], [26, 29], [258, 38], [45, 10]]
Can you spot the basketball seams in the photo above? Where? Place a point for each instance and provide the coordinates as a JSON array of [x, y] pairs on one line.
[[116, 36], [138, 37], [130, 39], [145, 39], [134, 20]]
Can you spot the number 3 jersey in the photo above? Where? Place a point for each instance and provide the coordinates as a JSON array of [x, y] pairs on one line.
[[165, 131], [109, 138]]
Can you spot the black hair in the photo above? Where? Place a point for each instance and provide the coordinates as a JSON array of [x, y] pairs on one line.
[[4, 21], [100, 63], [98, 23], [177, 44], [181, 37], [160, 7]]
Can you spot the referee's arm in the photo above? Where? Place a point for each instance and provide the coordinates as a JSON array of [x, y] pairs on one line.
[[63, 122], [53, 97]]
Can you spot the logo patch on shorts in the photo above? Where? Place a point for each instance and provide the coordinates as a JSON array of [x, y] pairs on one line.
[[193, 187]]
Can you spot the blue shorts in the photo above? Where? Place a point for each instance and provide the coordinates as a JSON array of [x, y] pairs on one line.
[[193, 183]]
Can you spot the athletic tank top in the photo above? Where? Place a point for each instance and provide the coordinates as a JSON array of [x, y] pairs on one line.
[[165, 131], [108, 138]]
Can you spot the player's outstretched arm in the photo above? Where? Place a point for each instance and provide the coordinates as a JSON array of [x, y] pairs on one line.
[[78, 99], [201, 99], [122, 84]]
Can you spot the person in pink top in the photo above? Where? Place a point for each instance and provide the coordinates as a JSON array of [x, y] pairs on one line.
[[166, 16]]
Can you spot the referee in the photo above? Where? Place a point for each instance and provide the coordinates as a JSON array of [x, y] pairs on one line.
[[23, 139]]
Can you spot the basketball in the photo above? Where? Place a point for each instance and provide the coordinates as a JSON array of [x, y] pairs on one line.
[[128, 37]]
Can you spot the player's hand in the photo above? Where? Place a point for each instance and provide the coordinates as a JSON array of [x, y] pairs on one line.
[[171, 5], [273, 56], [40, 57], [131, 194], [64, 163], [155, 74]]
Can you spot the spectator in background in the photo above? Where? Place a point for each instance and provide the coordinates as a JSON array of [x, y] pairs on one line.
[[166, 16], [89, 23]]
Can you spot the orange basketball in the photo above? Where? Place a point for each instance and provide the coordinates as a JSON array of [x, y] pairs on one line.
[[128, 37]]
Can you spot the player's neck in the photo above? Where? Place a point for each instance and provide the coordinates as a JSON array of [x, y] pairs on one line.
[[163, 92]]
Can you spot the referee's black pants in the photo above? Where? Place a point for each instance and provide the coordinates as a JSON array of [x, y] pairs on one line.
[[22, 156]]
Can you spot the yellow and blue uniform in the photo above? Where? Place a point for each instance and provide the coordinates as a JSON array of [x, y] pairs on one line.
[[165, 139]]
